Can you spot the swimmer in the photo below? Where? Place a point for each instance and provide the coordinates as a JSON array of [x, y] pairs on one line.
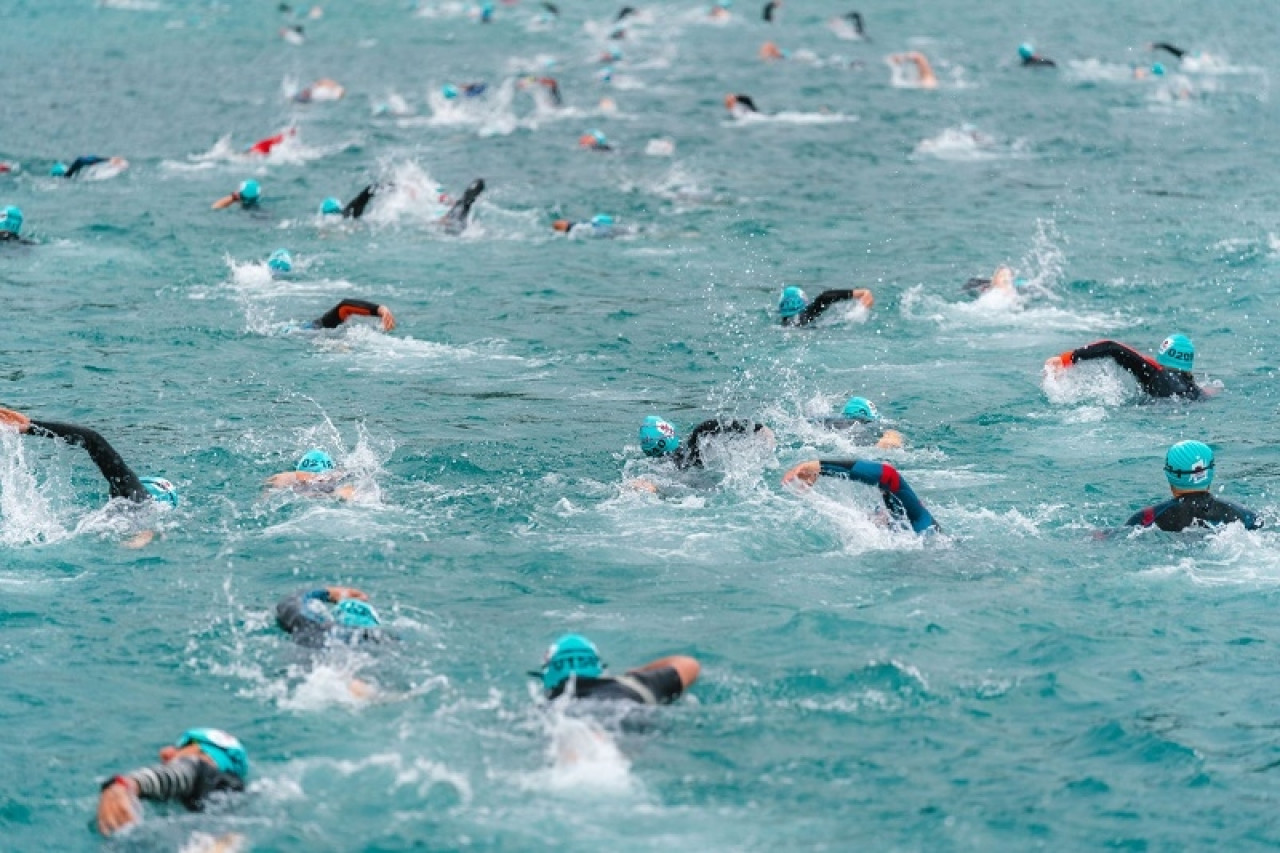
[[280, 263], [798, 311], [925, 78], [770, 9], [323, 89], [848, 27], [62, 170], [613, 54], [594, 141], [1166, 375], [624, 12], [571, 667], [11, 225], [455, 220], [1188, 466], [857, 413], [348, 308], [740, 106], [249, 194], [855, 18], [1001, 281], [770, 52], [121, 480], [202, 763], [659, 439], [293, 34], [315, 476], [265, 146], [1142, 73], [317, 617], [1177, 52], [601, 225], [549, 85], [899, 499], [465, 90], [720, 10], [1031, 59]]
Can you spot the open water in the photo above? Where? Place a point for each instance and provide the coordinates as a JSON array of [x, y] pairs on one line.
[[1016, 683]]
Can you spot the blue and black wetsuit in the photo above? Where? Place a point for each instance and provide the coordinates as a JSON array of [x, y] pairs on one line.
[[120, 477], [1155, 379], [898, 497], [1195, 509], [814, 309], [306, 616], [689, 454], [648, 687], [83, 163]]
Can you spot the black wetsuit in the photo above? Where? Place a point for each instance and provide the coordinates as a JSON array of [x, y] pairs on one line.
[[455, 221], [855, 18], [123, 482], [814, 309], [338, 314], [1037, 61], [553, 89], [689, 455], [651, 687], [747, 101], [187, 780], [313, 625], [1164, 45], [83, 163], [355, 207], [1194, 509], [11, 237], [898, 496], [1155, 379], [552, 8], [769, 9], [624, 12]]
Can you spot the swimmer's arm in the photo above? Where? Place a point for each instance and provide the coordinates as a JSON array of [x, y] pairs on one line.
[[347, 308], [1144, 517], [1176, 51], [687, 668], [355, 207], [826, 299], [226, 200], [898, 496], [1127, 358], [123, 482]]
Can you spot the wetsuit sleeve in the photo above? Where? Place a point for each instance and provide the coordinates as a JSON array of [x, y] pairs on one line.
[[1144, 517], [292, 614], [123, 482], [898, 496], [1163, 45], [821, 303], [186, 780], [664, 684], [338, 314], [1144, 370], [82, 163], [456, 218], [355, 207], [691, 453]]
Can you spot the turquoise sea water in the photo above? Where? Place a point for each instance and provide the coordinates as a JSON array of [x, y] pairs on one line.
[[1014, 684]]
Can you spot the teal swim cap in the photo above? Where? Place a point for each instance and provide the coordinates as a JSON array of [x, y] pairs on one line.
[[599, 137], [602, 220], [1158, 69], [572, 654], [160, 489], [57, 170], [11, 219], [1189, 466], [224, 749], [657, 437], [792, 302], [1176, 353], [330, 206], [862, 409], [449, 91], [280, 261], [1026, 51], [315, 461], [249, 190], [354, 613]]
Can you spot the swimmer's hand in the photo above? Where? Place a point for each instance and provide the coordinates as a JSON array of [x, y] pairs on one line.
[[891, 440], [864, 296], [1054, 364], [226, 201], [118, 807], [361, 689], [642, 485], [139, 540], [806, 473], [15, 420], [388, 319], [342, 593]]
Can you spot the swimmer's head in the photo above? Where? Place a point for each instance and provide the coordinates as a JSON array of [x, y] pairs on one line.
[[330, 207], [1026, 51], [57, 170], [606, 74], [861, 409], [250, 191], [602, 220], [657, 437], [1158, 69], [792, 301], [315, 462], [11, 219], [1176, 353], [1188, 466], [594, 139], [572, 654], [562, 225], [730, 101], [224, 749], [160, 489], [449, 91], [280, 262], [354, 613]]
